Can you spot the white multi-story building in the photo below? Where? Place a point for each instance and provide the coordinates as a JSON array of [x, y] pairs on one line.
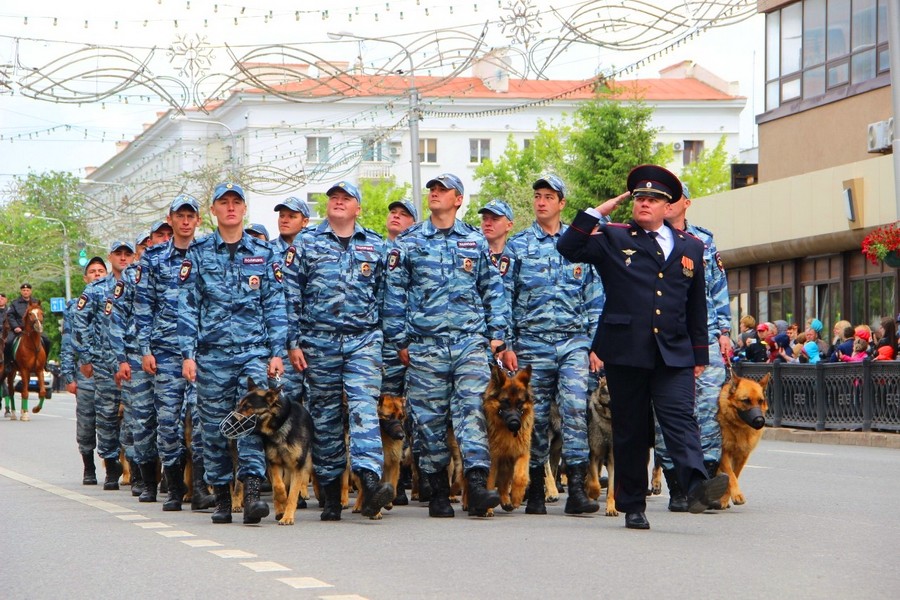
[[298, 138]]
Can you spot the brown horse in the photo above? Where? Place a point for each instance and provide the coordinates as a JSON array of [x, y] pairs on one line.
[[29, 357]]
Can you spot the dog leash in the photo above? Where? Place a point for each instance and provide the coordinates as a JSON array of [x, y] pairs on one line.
[[503, 368]]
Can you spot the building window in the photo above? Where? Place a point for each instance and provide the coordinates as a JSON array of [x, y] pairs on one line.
[[526, 144], [374, 150], [479, 150], [316, 149], [428, 150], [822, 301], [871, 299], [692, 150], [814, 46], [775, 304]]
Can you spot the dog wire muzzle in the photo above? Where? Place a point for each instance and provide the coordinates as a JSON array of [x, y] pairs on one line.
[[235, 425]]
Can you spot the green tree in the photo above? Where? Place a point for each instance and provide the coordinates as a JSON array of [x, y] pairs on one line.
[[710, 173], [377, 195], [510, 177], [609, 138]]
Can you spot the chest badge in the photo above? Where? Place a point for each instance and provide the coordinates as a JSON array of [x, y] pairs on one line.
[[577, 271], [628, 252], [687, 266], [185, 270], [468, 265], [366, 269], [253, 282]]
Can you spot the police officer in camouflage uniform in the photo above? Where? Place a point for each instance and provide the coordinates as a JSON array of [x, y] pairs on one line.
[[445, 309], [92, 341], [402, 215], [709, 383], [293, 216], [336, 340], [555, 306], [156, 317], [232, 327], [76, 383], [124, 342]]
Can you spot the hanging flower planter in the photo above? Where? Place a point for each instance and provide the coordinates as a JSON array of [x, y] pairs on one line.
[[883, 245]]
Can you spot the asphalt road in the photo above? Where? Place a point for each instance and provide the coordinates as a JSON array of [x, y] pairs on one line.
[[821, 521]]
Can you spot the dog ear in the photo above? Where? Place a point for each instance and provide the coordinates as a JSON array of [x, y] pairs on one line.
[[251, 385], [765, 381], [524, 375], [735, 380], [497, 375], [273, 395], [380, 401]]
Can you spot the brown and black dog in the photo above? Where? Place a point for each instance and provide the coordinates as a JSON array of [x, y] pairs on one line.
[[286, 431], [391, 417], [509, 413], [742, 416], [600, 442]]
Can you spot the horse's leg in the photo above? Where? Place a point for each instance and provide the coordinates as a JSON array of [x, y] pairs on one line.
[[11, 399], [26, 377], [42, 391]]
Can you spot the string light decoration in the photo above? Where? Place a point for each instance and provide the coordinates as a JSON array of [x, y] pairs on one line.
[[522, 22]]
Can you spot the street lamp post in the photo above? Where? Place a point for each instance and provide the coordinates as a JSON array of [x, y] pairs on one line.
[[66, 271], [234, 159], [412, 116]]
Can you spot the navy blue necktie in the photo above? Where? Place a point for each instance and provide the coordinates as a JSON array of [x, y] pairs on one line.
[[653, 235]]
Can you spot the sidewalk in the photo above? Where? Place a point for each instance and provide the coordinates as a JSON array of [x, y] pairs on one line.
[[874, 439]]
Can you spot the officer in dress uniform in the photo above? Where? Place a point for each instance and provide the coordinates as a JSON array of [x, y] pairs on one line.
[[652, 336], [97, 357], [555, 306], [76, 383], [445, 310], [231, 326], [293, 216], [709, 383]]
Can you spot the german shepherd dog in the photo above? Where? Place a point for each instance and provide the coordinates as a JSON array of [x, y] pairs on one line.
[[286, 431], [600, 441], [509, 413], [742, 416], [391, 417]]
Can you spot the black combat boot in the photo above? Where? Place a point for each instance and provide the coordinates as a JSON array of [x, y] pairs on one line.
[[113, 472], [376, 495], [201, 499], [223, 504], [254, 508], [439, 502], [424, 481], [480, 498], [536, 495], [90, 470], [137, 479], [578, 503], [332, 508], [403, 483], [148, 474], [177, 489], [677, 499]]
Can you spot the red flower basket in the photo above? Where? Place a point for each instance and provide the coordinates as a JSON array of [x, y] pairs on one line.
[[883, 245]]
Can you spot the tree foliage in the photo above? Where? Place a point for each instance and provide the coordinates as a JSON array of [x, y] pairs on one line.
[[377, 195], [710, 173]]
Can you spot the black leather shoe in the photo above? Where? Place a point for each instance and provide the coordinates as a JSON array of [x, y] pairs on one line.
[[636, 520], [707, 494]]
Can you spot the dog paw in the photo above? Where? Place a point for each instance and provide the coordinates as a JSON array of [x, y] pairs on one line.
[[278, 516], [551, 499], [286, 521], [508, 507], [376, 517], [739, 499], [656, 489], [611, 512]]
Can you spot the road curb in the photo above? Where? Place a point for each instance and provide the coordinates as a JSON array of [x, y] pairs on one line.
[[845, 438]]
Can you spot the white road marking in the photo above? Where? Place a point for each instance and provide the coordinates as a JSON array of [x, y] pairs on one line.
[[232, 554], [133, 517], [152, 525], [344, 597], [264, 566], [799, 452], [304, 583], [175, 533], [201, 543], [64, 493]]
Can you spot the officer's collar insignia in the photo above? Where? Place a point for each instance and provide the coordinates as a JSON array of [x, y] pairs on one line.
[[633, 233]]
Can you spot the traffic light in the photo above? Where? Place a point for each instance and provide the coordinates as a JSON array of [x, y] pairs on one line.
[[82, 257]]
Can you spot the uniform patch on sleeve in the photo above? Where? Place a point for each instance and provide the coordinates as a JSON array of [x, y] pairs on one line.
[[119, 289], [82, 301], [137, 274], [290, 255], [503, 266], [107, 308], [185, 270], [719, 262], [393, 259], [276, 270], [577, 271]]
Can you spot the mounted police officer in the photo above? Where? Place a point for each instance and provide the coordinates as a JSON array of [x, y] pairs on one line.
[[15, 318], [555, 306], [652, 336], [97, 356], [231, 327], [445, 311]]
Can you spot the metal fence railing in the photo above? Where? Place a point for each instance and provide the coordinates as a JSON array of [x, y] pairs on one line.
[[847, 396]]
